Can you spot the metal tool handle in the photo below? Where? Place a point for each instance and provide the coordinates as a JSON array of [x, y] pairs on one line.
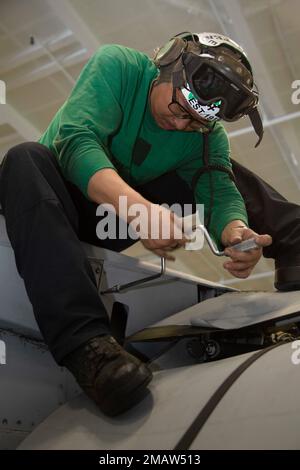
[[210, 242], [243, 246], [246, 245], [130, 285]]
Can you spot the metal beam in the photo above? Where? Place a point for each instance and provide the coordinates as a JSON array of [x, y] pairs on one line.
[[10, 116], [267, 123], [48, 69], [35, 51]]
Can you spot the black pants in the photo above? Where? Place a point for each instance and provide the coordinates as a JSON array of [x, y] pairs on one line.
[[46, 217]]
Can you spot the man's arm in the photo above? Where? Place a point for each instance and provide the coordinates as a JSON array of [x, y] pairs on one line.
[[215, 190], [79, 133], [228, 214], [106, 186]]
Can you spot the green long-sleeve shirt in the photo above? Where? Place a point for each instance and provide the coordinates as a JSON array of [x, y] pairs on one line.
[[106, 123]]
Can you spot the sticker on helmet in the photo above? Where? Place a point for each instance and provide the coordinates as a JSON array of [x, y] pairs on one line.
[[208, 112], [214, 39]]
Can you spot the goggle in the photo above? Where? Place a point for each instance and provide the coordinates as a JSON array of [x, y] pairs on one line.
[[210, 85]]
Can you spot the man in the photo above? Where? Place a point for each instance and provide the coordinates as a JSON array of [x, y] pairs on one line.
[[131, 126]]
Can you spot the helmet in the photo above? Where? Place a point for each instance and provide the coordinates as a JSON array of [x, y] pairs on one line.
[[214, 75]]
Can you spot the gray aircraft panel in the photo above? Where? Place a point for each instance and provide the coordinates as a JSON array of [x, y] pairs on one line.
[[156, 423], [238, 309], [261, 410]]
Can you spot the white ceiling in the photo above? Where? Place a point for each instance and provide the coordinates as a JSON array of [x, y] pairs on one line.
[[39, 75]]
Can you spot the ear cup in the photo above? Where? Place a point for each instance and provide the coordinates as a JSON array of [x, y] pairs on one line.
[[170, 52]]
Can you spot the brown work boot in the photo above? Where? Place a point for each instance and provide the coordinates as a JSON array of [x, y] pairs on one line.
[[109, 375]]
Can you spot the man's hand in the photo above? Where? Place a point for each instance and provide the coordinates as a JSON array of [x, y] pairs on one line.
[[242, 262], [168, 231]]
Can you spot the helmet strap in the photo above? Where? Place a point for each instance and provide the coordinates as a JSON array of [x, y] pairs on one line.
[[178, 75], [257, 124]]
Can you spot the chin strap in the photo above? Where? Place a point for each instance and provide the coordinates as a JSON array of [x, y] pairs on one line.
[[257, 124]]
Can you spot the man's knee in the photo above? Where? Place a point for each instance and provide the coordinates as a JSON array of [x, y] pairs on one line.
[[26, 167], [26, 161], [23, 154]]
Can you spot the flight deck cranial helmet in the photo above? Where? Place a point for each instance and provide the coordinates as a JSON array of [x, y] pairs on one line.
[[214, 75]]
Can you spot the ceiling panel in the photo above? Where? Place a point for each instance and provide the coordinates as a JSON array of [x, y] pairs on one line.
[[144, 28], [16, 14]]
